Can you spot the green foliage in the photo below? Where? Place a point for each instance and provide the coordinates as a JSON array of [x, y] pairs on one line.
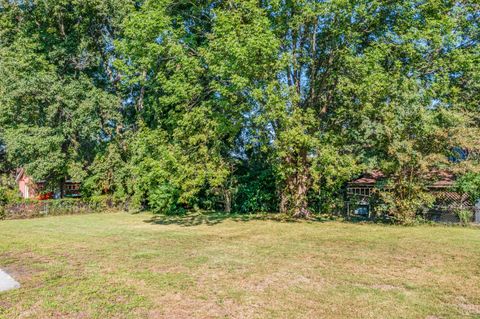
[[26, 209], [403, 199], [255, 191], [402, 119], [8, 191], [241, 105], [38, 150], [57, 106], [108, 174], [465, 216], [470, 184], [164, 199]]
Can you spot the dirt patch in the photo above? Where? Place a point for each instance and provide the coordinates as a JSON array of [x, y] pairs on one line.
[[24, 267], [22, 273]]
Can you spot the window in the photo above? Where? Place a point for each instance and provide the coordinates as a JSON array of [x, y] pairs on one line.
[[362, 191]]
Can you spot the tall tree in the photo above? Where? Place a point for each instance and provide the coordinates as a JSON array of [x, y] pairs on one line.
[[183, 129], [367, 82], [58, 105], [407, 84]]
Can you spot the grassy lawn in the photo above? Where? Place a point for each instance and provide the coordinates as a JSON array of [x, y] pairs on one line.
[[129, 266]]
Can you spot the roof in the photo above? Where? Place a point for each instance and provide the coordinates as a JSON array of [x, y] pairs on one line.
[[20, 173], [370, 178], [443, 179], [440, 179]]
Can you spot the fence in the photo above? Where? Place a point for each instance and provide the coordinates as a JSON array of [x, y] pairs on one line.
[[33, 209], [448, 214]]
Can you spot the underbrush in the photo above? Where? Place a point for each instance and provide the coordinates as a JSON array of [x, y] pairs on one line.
[[27, 209]]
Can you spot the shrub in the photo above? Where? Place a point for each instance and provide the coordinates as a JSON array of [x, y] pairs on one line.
[[255, 189], [33, 208], [8, 194], [465, 216], [106, 202], [165, 199], [3, 196], [404, 210], [469, 184]]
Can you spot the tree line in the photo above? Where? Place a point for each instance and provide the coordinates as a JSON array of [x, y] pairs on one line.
[[246, 106]]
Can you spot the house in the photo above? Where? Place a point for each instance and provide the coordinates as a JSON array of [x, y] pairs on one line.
[[360, 199], [31, 189], [359, 196]]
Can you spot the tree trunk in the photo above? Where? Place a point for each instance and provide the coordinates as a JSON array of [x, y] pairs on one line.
[[283, 202], [300, 194], [294, 199], [227, 196], [62, 189]]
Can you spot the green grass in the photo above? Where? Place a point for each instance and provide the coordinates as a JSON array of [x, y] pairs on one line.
[[133, 266]]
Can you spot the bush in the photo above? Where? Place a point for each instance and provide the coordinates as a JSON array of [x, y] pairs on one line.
[[3, 196], [164, 199], [33, 208], [107, 202], [256, 190], [469, 184], [8, 195], [404, 199], [465, 216]]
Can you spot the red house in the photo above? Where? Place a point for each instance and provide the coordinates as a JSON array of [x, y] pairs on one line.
[[31, 189]]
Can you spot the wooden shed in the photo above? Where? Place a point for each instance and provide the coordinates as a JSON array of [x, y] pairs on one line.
[[360, 199]]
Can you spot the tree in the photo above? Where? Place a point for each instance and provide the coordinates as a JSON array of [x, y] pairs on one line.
[[58, 106], [240, 104], [182, 128]]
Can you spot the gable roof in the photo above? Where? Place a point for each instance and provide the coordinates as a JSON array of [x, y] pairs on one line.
[[20, 174]]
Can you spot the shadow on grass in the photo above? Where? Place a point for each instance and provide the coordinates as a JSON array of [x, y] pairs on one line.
[[214, 218]]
